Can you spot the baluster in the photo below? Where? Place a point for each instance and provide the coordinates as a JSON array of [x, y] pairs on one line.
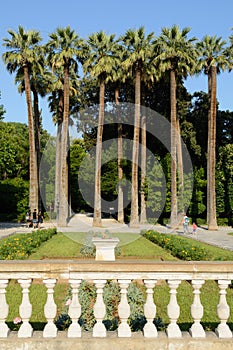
[[196, 329], [4, 308], [173, 310], [99, 329], [223, 311], [25, 310], [74, 311], [150, 330], [50, 309], [124, 310]]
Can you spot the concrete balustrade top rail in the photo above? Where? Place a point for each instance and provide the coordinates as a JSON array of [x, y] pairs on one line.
[[133, 269]]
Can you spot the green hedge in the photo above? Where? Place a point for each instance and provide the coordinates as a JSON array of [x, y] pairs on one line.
[[20, 246], [184, 248]]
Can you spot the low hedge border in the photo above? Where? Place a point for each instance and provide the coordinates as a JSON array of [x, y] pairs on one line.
[[21, 246], [181, 247]]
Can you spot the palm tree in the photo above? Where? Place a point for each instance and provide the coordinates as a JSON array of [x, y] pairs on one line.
[[213, 59], [138, 50], [99, 65], [21, 55], [39, 77], [64, 49], [176, 55]]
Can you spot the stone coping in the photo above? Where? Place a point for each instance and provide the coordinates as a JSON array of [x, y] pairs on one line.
[[57, 265], [136, 342]]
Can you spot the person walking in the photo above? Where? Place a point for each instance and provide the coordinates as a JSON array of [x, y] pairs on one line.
[[186, 223], [39, 219], [194, 228]]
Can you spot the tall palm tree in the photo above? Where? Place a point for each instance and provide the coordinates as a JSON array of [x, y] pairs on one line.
[[177, 56], [213, 59], [138, 50], [39, 77], [65, 48], [21, 55], [56, 105], [103, 56]]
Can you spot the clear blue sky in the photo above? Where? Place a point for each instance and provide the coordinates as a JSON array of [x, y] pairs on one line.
[[87, 17]]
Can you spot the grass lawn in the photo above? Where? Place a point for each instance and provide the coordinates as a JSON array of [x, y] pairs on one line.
[[67, 246]]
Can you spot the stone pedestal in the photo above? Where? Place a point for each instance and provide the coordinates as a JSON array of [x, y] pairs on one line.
[[105, 248]]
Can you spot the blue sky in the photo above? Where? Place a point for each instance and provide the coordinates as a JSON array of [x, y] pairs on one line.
[[87, 17]]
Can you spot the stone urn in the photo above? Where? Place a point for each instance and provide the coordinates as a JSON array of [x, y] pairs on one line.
[[105, 248]]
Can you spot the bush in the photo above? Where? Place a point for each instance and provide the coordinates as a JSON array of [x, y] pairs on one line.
[[179, 247], [21, 246], [222, 221], [111, 297]]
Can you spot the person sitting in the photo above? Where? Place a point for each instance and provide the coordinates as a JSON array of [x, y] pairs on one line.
[[29, 218], [34, 218]]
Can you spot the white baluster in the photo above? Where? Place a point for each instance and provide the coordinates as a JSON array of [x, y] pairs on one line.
[[99, 329], [173, 310], [4, 308], [196, 329], [74, 311], [223, 311], [150, 330], [50, 309], [124, 310], [25, 310]]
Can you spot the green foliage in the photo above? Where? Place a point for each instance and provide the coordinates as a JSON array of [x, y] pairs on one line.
[[14, 199], [111, 297], [77, 155], [14, 147], [186, 249], [2, 110], [22, 245]]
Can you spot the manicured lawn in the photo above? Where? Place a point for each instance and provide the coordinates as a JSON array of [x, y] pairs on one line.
[[67, 246]]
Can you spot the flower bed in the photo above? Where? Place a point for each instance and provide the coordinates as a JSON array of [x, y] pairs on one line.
[[184, 248], [22, 245]]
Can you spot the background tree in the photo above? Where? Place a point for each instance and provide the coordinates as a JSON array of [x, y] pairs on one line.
[[212, 60], [176, 55], [20, 55], [64, 49], [2, 110], [102, 58], [137, 53]]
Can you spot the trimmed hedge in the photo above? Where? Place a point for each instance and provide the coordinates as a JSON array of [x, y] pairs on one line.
[[181, 247], [20, 246]]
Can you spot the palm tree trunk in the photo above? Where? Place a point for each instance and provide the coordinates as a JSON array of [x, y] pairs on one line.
[[173, 220], [208, 147], [134, 220], [37, 140], [212, 220], [97, 200], [181, 203], [63, 213], [143, 217], [58, 155], [120, 212], [33, 173]]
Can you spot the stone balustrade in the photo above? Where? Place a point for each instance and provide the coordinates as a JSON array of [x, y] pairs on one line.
[[124, 272]]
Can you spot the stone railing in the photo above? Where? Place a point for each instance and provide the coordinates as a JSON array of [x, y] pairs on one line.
[[124, 272]]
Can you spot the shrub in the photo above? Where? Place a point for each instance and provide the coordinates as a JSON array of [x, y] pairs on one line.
[[21, 246], [179, 247], [222, 221], [111, 297]]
